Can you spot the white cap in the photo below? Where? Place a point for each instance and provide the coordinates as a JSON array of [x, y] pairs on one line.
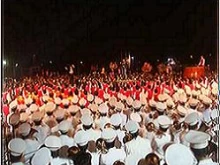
[[215, 91], [90, 97], [123, 97], [98, 101], [75, 99], [178, 154], [103, 108], [85, 111], [106, 96], [33, 107], [53, 143], [21, 107], [73, 108], [28, 101], [42, 156], [45, 98], [161, 97], [161, 106], [143, 100], [175, 97], [112, 101], [93, 107], [152, 103], [59, 113], [197, 139], [192, 118], [57, 100], [81, 138], [164, 121], [180, 91], [17, 146], [198, 86], [109, 134], [193, 102], [119, 95], [119, 106], [37, 116], [204, 91], [14, 119], [194, 93], [170, 103], [64, 126], [116, 119], [207, 100], [136, 104], [201, 97], [129, 101], [50, 107], [13, 104], [86, 119], [24, 129], [65, 102], [181, 110], [189, 92], [24, 117], [82, 102], [182, 98], [187, 87], [214, 85], [135, 117], [132, 126]]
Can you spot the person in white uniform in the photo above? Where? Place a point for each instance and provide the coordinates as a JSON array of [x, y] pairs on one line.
[[17, 147], [113, 154], [199, 142], [43, 130], [116, 121], [138, 145], [179, 154], [81, 138], [64, 126], [87, 125], [192, 121], [42, 156], [53, 143], [32, 145], [164, 137]]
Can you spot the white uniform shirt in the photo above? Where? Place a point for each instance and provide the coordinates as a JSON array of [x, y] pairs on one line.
[[149, 135], [132, 159], [43, 132], [100, 123], [31, 147], [206, 115], [66, 140], [60, 161], [93, 134], [207, 162], [160, 142], [121, 135], [113, 155], [95, 158], [139, 146]]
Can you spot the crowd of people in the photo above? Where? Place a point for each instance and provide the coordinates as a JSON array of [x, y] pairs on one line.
[[97, 120]]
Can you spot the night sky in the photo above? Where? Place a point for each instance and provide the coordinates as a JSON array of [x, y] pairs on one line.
[[69, 30]]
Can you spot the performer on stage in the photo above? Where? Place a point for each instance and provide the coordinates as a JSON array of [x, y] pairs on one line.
[[202, 61]]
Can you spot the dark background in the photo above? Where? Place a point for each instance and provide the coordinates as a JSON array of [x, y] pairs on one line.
[[99, 31]]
